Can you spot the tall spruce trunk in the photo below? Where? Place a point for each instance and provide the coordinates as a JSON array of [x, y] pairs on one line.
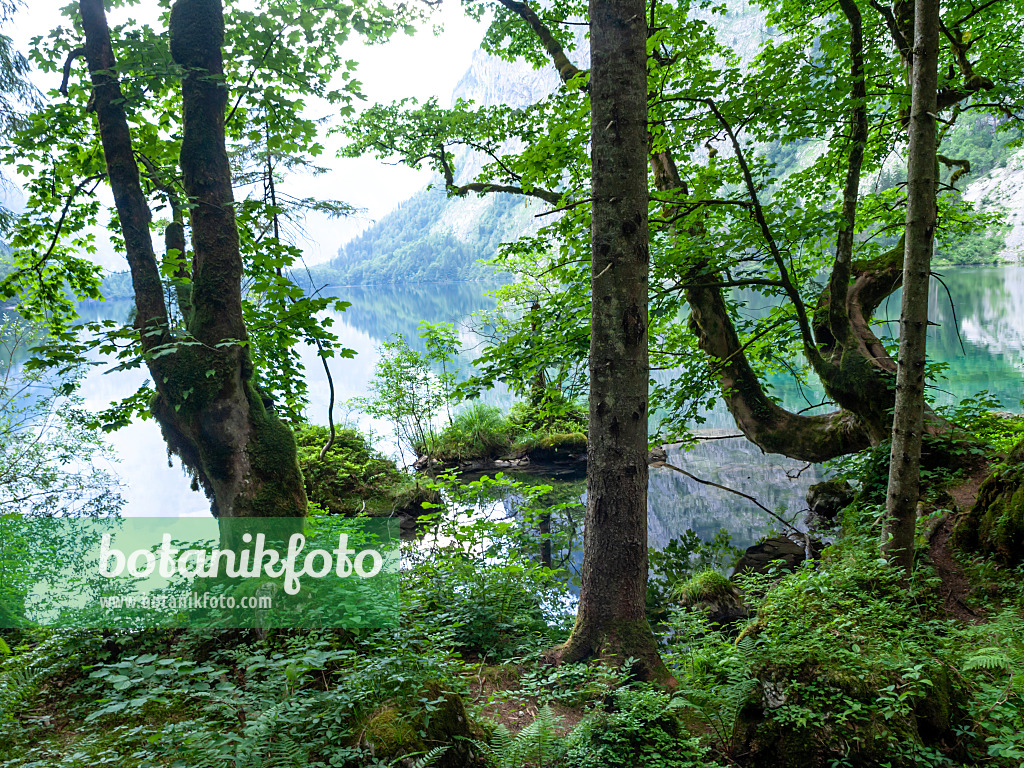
[[208, 406], [908, 421], [611, 620]]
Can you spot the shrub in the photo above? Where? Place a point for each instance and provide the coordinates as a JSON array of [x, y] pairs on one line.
[[641, 728]]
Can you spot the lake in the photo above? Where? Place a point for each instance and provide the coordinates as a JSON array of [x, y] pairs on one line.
[[983, 348]]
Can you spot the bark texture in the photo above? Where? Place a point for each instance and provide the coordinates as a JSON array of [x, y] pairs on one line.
[[908, 421], [611, 619], [208, 407]]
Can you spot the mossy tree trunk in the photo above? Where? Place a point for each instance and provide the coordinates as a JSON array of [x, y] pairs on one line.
[[209, 409], [908, 421], [611, 620]]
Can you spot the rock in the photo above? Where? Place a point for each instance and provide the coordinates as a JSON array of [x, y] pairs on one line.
[[712, 593], [571, 446], [656, 455], [399, 736], [760, 557], [827, 498]]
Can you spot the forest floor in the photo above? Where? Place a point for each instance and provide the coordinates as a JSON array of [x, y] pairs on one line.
[[956, 587]]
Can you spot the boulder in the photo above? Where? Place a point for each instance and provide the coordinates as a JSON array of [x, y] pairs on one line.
[[827, 498], [760, 557], [714, 595]]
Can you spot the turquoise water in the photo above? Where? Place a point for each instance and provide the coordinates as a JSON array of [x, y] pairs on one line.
[[989, 325]]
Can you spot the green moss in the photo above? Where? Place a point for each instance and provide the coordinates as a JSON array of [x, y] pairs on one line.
[[273, 463], [995, 523], [390, 735], [705, 586], [555, 446], [352, 476]]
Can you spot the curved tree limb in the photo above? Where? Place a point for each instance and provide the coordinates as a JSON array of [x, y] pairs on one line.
[[482, 187], [839, 280], [566, 69]]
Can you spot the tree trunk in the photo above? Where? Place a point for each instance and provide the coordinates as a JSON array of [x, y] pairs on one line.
[[908, 421], [611, 619], [208, 407]]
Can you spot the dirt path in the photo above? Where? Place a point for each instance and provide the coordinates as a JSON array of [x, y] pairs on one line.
[[955, 587]]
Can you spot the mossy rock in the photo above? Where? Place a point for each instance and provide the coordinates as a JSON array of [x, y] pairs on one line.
[[352, 477], [827, 498], [774, 742], [995, 524], [558, 447], [393, 733], [389, 735], [716, 596]]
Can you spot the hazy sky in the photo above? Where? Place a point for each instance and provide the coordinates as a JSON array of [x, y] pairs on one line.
[[422, 66]]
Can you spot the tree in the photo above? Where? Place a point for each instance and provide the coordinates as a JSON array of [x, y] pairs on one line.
[[205, 315], [908, 421], [49, 455], [16, 92], [736, 206], [611, 617]]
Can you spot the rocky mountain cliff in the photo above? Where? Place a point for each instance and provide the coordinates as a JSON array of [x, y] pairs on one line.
[[1002, 189]]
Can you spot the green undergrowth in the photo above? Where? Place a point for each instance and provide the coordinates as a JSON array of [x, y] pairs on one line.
[[842, 664], [548, 431]]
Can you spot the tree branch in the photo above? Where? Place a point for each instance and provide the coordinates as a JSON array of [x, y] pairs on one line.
[[484, 187], [839, 280], [566, 69], [80, 51], [813, 354], [132, 207]]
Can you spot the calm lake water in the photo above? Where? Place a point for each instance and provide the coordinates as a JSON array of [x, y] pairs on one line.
[[989, 305]]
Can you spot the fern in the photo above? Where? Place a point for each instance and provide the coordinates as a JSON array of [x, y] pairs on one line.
[[428, 760], [720, 707], [536, 746], [988, 658], [16, 685]]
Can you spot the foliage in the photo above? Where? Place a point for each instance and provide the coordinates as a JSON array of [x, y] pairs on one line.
[[550, 412], [720, 703], [703, 585], [984, 422], [350, 472], [642, 727], [280, 55], [679, 560], [480, 576], [748, 124], [479, 431], [51, 455], [407, 392], [536, 746]]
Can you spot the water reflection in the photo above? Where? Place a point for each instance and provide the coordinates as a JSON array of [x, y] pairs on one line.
[[988, 316]]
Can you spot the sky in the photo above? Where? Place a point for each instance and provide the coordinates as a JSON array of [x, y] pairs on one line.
[[422, 66]]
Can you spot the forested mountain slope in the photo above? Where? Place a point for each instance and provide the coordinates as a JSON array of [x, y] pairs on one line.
[[431, 237]]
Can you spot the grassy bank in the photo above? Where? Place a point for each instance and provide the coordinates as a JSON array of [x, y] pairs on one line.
[[481, 432]]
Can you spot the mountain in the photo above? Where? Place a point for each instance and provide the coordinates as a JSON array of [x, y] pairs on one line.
[[1002, 188], [431, 237]]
